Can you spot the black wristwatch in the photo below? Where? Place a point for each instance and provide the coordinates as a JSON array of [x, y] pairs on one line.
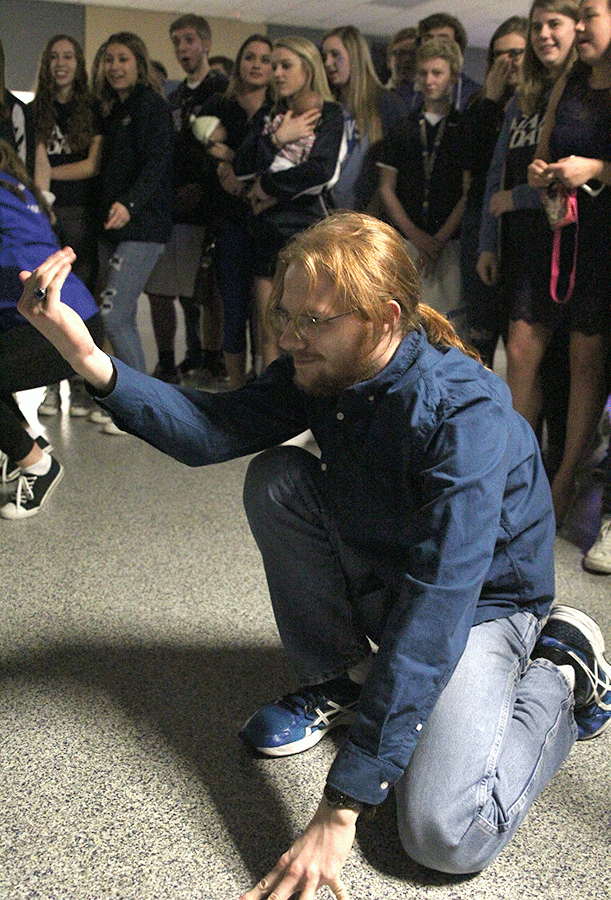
[[336, 800]]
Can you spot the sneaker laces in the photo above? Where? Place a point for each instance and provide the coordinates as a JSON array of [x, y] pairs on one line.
[[25, 488], [314, 699], [303, 701], [600, 682]]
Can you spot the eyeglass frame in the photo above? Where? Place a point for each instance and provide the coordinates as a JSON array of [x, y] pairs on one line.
[[316, 323]]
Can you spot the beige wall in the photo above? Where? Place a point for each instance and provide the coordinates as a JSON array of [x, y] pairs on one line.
[[152, 27]]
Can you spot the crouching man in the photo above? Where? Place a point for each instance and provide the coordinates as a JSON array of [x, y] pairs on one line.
[[424, 532]]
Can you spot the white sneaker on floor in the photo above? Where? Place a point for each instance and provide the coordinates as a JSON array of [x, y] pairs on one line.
[[111, 428], [598, 557], [99, 417]]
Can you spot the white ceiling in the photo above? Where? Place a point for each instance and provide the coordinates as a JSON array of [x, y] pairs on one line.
[[374, 17]]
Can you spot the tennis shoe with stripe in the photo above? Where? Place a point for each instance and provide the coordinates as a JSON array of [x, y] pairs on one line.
[[570, 637], [298, 721]]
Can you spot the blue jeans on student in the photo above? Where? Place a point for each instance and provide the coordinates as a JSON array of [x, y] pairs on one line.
[[502, 726], [124, 272]]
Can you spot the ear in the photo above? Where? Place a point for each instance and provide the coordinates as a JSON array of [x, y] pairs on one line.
[[392, 313]]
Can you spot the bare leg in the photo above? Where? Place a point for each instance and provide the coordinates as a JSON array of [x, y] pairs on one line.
[[526, 346], [586, 400]]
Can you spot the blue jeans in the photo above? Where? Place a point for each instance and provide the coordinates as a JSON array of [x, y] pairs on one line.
[[124, 273], [502, 726]]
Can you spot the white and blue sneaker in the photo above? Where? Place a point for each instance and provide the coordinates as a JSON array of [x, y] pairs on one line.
[[570, 637], [296, 722]]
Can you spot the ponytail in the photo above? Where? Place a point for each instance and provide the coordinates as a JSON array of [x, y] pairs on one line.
[[440, 333]]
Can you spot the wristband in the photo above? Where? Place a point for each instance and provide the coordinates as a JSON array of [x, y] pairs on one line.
[[336, 800]]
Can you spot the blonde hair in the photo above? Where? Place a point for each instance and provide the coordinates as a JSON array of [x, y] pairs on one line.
[[364, 87], [441, 48], [368, 263], [316, 77], [536, 79]]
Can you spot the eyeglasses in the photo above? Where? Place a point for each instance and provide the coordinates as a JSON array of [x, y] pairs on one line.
[[305, 326], [513, 53]]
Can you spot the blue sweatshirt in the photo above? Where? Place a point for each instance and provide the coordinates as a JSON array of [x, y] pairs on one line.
[[26, 240]]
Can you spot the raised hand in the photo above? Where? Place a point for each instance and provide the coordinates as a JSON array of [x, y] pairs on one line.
[[42, 306]]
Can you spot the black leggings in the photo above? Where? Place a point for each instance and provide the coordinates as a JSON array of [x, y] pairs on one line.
[[28, 360]]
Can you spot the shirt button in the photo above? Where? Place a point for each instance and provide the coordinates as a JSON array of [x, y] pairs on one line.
[[371, 398], [340, 416], [419, 726], [384, 785], [323, 466]]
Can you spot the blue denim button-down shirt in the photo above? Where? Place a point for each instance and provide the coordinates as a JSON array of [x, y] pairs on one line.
[[431, 475]]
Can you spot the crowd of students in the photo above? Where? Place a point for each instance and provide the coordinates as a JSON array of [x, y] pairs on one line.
[[429, 517], [192, 196]]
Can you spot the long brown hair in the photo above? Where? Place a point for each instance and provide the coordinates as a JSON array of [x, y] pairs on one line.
[[235, 82], [135, 45], [368, 263], [81, 119], [10, 164]]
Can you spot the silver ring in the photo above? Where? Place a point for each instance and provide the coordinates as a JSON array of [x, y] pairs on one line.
[[40, 293]]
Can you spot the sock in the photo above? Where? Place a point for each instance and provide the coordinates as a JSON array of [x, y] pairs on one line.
[[569, 673], [41, 467]]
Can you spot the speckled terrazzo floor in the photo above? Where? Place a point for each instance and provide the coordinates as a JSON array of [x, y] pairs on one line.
[[136, 637]]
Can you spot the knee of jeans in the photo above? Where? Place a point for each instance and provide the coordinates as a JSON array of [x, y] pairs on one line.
[[269, 474], [433, 839]]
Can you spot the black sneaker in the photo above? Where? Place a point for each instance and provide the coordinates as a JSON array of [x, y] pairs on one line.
[[9, 470], [570, 637], [32, 491], [296, 722]]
